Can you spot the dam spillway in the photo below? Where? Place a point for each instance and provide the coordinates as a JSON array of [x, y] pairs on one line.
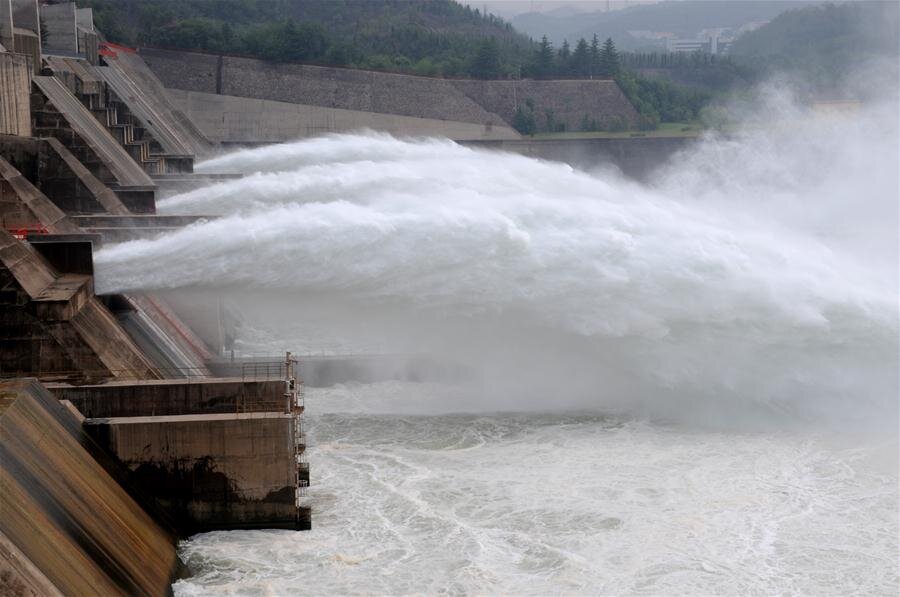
[[435, 322], [117, 438]]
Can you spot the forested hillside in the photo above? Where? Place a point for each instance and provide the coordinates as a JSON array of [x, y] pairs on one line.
[[826, 46], [428, 37]]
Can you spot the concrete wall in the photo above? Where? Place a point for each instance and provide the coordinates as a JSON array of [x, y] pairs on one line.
[[211, 471], [229, 119], [370, 92], [26, 15], [172, 397], [6, 24], [28, 43], [59, 175], [54, 327], [348, 89], [568, 101], [15, 92], [66, 526], [59, 22], [23, 206]]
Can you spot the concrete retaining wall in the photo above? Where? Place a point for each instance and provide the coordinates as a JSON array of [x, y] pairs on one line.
[[229, 119], [370, 93], [568, 102], [67, 527], [15, 92], [348, 89]]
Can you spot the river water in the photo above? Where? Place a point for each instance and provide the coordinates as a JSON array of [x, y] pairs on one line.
[[681, 386], [564, 504]]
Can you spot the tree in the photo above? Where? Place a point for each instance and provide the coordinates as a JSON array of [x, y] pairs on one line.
[[609, 59], [595, 56], [543, 59], [565, 55], [523, 121], [486, 63], [581, 59]]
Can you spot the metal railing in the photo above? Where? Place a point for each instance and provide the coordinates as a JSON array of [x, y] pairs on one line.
[[258, 371]]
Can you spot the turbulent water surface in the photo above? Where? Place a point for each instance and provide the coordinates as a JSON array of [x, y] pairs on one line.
[[687, 385], [571, 504]]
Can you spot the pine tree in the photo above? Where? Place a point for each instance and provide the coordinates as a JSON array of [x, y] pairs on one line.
[[595, 56], [486, 64], [609, 59], [543, 59], [581, 59], [565, 55]]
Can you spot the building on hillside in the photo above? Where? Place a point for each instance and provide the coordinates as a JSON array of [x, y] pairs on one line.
[[713, 44]]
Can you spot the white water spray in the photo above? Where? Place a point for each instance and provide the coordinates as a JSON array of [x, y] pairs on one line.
[[757, 275]]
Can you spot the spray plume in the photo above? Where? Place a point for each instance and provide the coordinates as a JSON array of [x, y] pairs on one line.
[[756, 274]]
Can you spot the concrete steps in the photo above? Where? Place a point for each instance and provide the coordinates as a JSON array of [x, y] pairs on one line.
[[113, 98]]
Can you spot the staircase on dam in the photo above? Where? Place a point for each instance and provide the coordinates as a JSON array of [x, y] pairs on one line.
[[141, 124], [59, 114]]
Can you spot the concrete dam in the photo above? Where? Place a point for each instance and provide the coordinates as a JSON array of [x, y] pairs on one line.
[[128, 422]]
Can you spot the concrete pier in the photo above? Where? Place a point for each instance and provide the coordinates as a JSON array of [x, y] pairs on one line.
[[213, 453]]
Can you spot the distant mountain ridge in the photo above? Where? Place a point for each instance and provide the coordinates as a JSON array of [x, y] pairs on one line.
[[682, 19]]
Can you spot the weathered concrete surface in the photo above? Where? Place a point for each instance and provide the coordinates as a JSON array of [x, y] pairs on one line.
[[238, 120], [66, 526], [15, 91], [6, 25], [636, 157], [349, 89], [59, 23], [72, 186], [28, 43], [52, 326], [19, 576], [217, 471], [59, 114], [77, 75], [66, 253], [168, 397], [173, 347], [486, 103], [23, 206], [177, 133], [59, 175], [569, 101], [26, 15]]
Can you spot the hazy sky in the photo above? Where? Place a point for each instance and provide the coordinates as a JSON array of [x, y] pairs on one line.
[[511, 8]]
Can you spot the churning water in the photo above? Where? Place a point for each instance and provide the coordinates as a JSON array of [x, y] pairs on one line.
[[666, 382]]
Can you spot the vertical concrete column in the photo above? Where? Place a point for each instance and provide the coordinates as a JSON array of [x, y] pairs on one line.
[[59, 21], [15, 89], [6, 25], [26, 15], [26, 20]]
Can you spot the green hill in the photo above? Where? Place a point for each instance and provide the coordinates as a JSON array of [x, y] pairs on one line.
[[430, 37], [829, 46]]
